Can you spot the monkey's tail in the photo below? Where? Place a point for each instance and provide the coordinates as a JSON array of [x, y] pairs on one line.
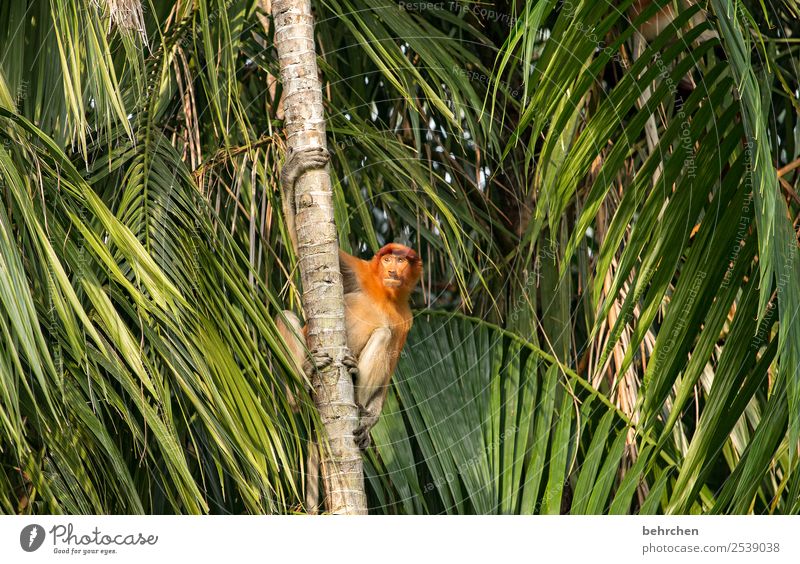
[[312, 477]]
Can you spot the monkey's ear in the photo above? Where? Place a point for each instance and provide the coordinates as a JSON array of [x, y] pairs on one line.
[[348, 266]]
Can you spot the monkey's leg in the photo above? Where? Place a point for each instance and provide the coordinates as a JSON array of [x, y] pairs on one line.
[[291, 330], [312, 478], [374, 366]]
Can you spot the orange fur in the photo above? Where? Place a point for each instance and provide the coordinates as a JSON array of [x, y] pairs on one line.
[[378, 319], [664, 17], [370, 304]]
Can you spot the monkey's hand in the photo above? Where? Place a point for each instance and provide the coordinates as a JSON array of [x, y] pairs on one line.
[[316, 360], [351, 363], [300, 161], [361, 434]]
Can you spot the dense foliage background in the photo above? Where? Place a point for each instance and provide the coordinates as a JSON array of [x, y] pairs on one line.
[[608, 320]]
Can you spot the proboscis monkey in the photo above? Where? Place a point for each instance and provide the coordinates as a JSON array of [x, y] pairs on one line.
[[377, 312]]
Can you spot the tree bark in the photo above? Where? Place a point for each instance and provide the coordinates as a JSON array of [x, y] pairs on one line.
[[322, 298]]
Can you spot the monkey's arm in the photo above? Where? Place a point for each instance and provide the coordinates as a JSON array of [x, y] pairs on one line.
[[375, 365], [350, 267], [297, 162]]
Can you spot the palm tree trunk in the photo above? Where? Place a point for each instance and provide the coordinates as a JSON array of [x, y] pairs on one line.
[[342, 471]]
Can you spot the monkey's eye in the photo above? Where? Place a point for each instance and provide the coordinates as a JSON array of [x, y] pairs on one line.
[[401, 259], [386, 259]]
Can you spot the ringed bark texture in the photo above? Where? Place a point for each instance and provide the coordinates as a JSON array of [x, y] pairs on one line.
[[322, 298]]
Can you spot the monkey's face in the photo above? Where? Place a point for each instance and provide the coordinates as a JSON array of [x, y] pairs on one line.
[[395, 270]]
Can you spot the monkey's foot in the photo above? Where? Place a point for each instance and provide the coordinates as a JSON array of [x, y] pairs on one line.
[[316, 360], [361, 434], [362, 438], [302, 160]]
